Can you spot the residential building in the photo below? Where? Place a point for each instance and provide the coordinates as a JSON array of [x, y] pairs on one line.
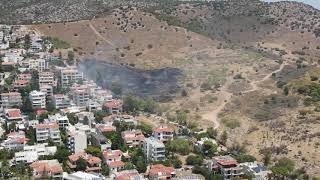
[[93, 163], [113, 159], [25, 76], [133, 138], [93, 106], [259, 171], [10, 100], [128, 119], [80, 97], [15, 141], [163, 133], [47, 89], [104, 128], [159, 171], [38, 64], [227, 166], [131, 174], [47, 168], [30, 154], [77, 140], [154, 149], [13, 116], [99, 140], [38, 99], [83, 176], [85, 117], [69, 76], [61, 120], [46, 78], [60, 101], [102, 95], [199, 144], [20, 84], [113, 107], [48, 131]]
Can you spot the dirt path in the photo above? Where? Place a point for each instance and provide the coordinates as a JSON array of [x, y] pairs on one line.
[[225, 96], [99, 35], [254, 84]]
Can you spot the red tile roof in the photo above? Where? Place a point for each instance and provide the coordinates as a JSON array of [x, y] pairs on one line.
[[116, 164], [13, 113], [47, 125], [110, 154], [159, 168], [113, 104]]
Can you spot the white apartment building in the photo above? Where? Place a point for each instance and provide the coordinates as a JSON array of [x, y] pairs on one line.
[[47, 89], [80, 97], [10, 100], [48, 131], [46, 78], [77, 140], [163, 133], [85, 117], [38, 64], [30, 154], [69, 76], [154, 149], [38, 99], [60, 101], [61, 120], [93, 106]]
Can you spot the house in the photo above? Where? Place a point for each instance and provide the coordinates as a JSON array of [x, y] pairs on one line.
[[93, 106], [48, 131], [30, 154], [163, 133], [61, 120], [25, 76], [77, 140], [227, 166], [102, 96], [128, 119], [38, 64], [160, 171], [133, 138], [113, 159], [113, 107], [11, 99], [103, 128], [15, 141], [99, 140], [13, 116], [38, 99], [60, 101], [154, 149], [259, 171], [131, 174], [93, 163], [47, 168]]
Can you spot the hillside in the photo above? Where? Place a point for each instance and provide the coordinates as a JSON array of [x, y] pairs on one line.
[[248, 67]]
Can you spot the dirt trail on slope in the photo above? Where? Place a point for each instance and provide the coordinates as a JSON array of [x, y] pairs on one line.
[[225, 96], [99, 35]]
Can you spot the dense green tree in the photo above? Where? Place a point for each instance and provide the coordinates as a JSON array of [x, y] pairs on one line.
[[70, 59], [81, 164], [61, 154], [180, 146], [31, 135], [95, 151], [105, 171], [245, 158], [209, 149], [224, 137], [212, 133], [194, 160], [283, 167]]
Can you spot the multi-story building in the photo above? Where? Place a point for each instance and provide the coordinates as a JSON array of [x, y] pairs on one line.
[[85, 117], [30, 154], [48, 131], [77, 140], [80, 97], [133, 138], [60, 101], [93, 106], [61, 120], [15, 141], [25, 76], [163, 133], [113, 159], [46, 78], [259, 171], [114, 106], [154, 149], [47, 89], [99, 140], [11, 99], [47, 168], [69, 76], [38, 99], [127, 174], [38, 64], [13, 116], [20, 84], [93, 163], [227, 166]]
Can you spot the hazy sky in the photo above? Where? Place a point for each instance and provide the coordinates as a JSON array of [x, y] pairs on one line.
[[314, 3]]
